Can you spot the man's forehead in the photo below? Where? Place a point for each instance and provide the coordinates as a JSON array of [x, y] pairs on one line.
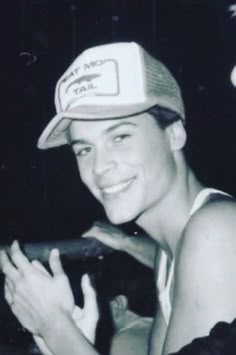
[[106, 125]]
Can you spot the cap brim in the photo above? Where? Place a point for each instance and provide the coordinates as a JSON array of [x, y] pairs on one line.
[[55, 133]]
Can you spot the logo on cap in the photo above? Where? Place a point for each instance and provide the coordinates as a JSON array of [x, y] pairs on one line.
[[96, 78]]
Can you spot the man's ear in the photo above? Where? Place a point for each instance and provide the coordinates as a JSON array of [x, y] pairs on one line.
[[119, 305], [177, 135]]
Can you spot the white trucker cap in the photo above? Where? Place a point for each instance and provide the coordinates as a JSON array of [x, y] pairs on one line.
[[110, 81]]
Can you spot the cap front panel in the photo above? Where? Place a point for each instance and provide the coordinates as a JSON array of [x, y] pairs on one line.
[[102, 76], [86, 81]]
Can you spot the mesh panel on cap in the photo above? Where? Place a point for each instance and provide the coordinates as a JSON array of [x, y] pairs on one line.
[[161, 84]]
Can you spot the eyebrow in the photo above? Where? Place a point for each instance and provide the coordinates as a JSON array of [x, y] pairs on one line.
[[78, 141], [117, 125], [106, 131]]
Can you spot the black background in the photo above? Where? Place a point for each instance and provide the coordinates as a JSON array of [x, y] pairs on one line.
[[42, 197]]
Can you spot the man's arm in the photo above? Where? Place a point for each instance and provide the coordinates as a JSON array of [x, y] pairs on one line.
[[65, 338], [44, 304], [130, 342], [205, 284], [141, 247]]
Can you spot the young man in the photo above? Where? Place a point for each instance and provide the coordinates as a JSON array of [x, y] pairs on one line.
[[122, 113]]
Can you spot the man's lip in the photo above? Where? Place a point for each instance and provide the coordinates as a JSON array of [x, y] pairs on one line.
[[116, 188]]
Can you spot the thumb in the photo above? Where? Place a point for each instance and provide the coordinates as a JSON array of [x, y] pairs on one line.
[[90, 299], [87, 235], [55, 262]]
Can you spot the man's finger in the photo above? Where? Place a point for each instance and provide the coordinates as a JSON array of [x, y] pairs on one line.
[[77, 312], [91, 232], [55, 262], [87, 234], [96, 234], [8, 291], [90, 299], [7, 267], [8, 295], [9, 284], [19, 259], [40, 267]]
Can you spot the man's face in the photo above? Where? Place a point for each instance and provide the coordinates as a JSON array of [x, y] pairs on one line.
[[126, 163]]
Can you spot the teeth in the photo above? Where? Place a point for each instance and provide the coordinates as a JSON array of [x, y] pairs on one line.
[[116, 188]]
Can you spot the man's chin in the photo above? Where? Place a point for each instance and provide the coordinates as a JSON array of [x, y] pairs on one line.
[[119, 216]]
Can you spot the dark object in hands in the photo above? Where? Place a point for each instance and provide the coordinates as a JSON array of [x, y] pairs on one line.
[[80, 248]]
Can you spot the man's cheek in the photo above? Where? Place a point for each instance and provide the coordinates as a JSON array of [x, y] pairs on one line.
[[84, 172], [85, 178], [91, 185]]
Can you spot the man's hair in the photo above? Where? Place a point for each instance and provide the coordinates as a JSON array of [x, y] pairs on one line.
[[164, 116], [123, 275]]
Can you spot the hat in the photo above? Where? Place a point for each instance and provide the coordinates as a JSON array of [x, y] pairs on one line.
[[110, 81]]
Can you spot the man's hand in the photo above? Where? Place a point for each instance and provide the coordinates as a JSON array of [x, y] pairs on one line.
[[35, 296], [107, 234], [85, 318], [140, 246]]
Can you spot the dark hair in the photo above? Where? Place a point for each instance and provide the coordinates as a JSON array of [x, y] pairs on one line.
[[123, 275], [164, 116]]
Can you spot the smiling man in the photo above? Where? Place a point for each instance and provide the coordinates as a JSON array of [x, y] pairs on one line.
[[126, 128], [119, 166]]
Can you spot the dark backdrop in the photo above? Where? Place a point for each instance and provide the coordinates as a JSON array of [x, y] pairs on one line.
[[42, 197]]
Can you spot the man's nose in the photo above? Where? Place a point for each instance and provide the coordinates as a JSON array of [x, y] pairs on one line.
[[104, 161]]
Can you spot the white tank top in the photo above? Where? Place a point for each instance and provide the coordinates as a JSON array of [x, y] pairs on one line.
[[164, 281]]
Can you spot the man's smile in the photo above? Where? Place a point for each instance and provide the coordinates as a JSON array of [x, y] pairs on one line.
[[112, 190]]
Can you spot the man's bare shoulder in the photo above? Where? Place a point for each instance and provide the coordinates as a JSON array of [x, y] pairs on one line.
[[205, 283], [209, 240], [207, 258], [214, 222]]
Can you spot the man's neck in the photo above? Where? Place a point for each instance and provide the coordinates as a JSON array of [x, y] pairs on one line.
[[166, 220]]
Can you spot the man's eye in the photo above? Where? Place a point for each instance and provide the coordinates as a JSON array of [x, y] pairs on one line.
[[121, 137], [84, 151]]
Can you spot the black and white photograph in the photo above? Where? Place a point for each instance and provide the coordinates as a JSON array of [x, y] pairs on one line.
[[118, 177]]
